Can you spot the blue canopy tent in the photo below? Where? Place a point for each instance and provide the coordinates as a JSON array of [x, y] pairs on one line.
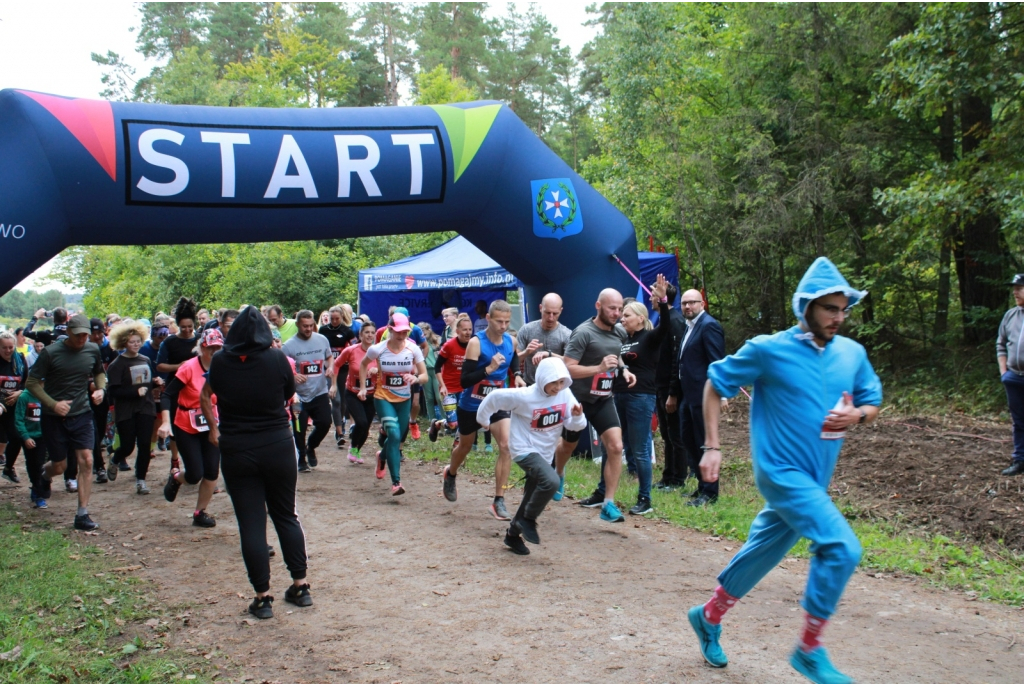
[[457, 274]]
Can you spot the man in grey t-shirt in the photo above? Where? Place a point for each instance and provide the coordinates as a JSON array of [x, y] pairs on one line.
[[541, 339], [314, 368]]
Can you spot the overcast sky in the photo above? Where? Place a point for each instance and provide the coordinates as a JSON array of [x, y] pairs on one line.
[[45, 46]]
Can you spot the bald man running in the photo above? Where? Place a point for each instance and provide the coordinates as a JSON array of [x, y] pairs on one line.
[[593, 357], [541, 339]]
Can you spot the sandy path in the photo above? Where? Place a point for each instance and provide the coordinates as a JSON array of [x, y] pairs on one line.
[[417, 589]]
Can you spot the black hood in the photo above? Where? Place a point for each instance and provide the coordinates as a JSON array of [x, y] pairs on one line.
[[249, 334]]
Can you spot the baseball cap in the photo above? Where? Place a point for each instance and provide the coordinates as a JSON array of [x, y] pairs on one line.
[[78, 324], [400, 322], [401, 310], [97, 325], [211, 337], [1018, 279]]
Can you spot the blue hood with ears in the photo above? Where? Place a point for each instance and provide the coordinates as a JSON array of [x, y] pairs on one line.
[[822, 278]]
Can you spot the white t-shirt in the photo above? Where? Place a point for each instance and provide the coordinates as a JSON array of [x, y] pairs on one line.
[[391, 386]]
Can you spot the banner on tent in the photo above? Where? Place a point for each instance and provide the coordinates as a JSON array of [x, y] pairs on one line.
[[378, 282]]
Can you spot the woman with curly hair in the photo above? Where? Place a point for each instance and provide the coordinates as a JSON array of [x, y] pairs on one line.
[[130, 381]]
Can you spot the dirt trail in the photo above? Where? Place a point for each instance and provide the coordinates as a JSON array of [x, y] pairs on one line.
[[416, 589]]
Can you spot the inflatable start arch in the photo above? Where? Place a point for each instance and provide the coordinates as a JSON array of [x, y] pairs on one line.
[[89, 172]]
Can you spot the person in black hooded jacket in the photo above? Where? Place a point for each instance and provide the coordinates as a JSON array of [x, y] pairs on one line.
[[252, 382]]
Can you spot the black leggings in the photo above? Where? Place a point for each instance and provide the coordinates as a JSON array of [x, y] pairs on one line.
[[362, 413], [35, 457], [99, 422], [262, 480], [199, 457], [319, 409], [135, 433]]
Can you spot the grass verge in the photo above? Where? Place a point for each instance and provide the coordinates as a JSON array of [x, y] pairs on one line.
[[889, 547], [67, 616]]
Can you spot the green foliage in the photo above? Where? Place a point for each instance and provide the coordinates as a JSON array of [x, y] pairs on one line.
[[73, 619], [437, 87], [138, 281], [22, 305]]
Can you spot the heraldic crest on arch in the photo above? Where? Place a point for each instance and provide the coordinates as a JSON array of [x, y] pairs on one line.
[[90, 172]]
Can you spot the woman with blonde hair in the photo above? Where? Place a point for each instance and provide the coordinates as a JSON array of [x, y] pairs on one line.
[[636, 404], [131, 378]]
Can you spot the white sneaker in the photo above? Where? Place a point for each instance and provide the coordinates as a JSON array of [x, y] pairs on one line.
[[71, 485]]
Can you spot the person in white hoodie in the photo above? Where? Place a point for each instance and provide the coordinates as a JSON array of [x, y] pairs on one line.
[[539, 412]]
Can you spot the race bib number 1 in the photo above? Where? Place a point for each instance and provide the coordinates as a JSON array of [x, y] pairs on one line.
[[602, 384]]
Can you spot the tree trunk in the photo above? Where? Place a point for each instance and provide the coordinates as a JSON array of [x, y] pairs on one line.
[[981, 265], [391, 81], [947, 153]]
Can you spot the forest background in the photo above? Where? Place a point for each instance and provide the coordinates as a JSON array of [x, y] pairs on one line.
[[750, 137]]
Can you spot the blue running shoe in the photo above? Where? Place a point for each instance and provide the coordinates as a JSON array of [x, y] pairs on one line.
[[41, 503], [816, 666], [708, 634], [611, 513], [560, 492]]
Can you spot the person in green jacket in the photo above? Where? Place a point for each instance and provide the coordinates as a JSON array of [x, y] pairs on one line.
[[28, 416]]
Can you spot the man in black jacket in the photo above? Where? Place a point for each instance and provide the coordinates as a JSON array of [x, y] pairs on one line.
[[673, 473], [703, 343]]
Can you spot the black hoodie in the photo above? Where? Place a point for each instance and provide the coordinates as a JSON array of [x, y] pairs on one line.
[[252, 382]]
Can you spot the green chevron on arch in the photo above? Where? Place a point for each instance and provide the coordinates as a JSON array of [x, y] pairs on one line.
[[467, 129]]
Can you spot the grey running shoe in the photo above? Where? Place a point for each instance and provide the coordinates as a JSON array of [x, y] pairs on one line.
[[141, 488], [498, 509], [451, 493]]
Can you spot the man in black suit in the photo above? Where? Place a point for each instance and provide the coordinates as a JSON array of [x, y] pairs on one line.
[[703, 344]]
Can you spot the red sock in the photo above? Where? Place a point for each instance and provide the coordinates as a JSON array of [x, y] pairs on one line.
[[719, 603], [811, 637]]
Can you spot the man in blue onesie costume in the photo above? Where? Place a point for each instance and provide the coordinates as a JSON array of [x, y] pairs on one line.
[[810, 386]]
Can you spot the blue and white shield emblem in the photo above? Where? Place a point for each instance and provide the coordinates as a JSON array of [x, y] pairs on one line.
[[556, 211]]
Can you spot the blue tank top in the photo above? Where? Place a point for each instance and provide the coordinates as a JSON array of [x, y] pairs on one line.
[[471, 398]]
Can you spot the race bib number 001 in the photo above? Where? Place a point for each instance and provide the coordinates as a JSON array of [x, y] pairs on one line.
[[548, 418]]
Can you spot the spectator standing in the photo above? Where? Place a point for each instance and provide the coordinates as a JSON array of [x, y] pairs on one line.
[[1011, 370], [703, 344], [673, 472]]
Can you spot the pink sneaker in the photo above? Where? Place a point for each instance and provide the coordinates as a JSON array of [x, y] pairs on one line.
[[381, 466], [354, 458], [397, 490]]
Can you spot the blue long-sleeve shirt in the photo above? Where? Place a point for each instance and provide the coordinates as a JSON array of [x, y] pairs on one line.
[[796, 383]]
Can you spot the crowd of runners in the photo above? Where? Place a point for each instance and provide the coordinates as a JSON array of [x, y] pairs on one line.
[[252, 394]]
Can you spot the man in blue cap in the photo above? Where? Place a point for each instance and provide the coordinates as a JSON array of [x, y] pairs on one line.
[[1011, 371], [810, 386]]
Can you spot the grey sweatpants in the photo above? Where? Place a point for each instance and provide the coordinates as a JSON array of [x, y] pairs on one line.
[[541, 484]]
